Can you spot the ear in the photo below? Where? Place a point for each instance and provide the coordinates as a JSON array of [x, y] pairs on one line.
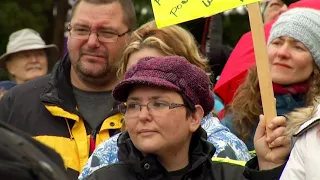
[[196, 118], [9, 66]]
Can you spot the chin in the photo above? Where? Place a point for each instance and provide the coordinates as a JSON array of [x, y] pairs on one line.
[[283, 82], [36, 75], [94, 73], [93, 70], [149, 147], [282, 79]]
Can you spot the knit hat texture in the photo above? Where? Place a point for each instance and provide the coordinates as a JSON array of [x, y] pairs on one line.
[[171, 72], [302, 24]]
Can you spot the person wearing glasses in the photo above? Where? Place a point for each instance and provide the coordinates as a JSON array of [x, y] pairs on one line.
[[27, 56], [72, 109], [147, 41], [165, 99]]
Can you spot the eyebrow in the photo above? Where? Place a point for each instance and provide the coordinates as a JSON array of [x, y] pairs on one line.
[[80, 25], [133, 98], [281, 38]]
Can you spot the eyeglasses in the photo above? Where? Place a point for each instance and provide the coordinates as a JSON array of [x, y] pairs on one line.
[[156, 108], [83, 33]]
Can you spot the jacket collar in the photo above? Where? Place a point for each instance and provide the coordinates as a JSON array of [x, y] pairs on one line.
[[58, 91], [315, 120], [148, 166]]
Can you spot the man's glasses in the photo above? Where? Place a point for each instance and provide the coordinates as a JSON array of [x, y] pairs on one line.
[[83, 33]]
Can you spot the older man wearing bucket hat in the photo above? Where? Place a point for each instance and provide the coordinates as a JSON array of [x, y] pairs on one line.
[[26, 56]]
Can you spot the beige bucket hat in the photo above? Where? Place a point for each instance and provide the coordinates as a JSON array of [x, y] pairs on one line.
[[25, 39]]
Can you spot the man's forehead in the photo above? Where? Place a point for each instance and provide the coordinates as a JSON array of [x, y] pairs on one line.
[[31, 51], [87, 12], [103, 24]]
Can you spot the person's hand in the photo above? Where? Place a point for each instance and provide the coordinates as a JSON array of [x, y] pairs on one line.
[[272, 151]]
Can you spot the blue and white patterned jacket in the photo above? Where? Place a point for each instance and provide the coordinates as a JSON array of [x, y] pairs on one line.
[[227, 146]]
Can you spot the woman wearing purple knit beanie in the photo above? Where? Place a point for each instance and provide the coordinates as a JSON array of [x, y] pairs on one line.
[[164, 100]]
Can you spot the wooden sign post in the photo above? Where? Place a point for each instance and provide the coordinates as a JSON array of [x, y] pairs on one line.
[[169, 12], [262, 62]]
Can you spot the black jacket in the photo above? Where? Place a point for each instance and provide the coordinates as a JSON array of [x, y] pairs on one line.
[[133, 165], [24, 158], [46, 108]]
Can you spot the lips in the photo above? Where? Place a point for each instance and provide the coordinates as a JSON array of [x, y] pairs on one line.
[[33, 66], [146, 131], [95, 55], [282, 65]]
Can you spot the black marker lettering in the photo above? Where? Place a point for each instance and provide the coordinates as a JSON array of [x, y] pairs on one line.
[[158, 2], [184, 1], [173, 11], [208, 1]]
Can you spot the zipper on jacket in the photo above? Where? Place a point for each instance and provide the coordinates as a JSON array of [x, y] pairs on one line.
[[92, 141]]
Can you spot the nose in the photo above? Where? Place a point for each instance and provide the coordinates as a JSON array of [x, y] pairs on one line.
[[93, 41], [144, 114], [33, 58], [283, 51]]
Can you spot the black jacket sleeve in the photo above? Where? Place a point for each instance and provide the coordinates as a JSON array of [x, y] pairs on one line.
[[252, 171], [5, 106]]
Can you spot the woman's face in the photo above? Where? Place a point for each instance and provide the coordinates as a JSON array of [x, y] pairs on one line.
[[290, 60], [145, 52], [159, 132]]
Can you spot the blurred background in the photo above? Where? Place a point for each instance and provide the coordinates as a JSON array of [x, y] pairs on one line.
[[50, 18]]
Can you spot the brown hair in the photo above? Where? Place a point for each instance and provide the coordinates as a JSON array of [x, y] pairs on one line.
[[171, 40], [247, 107], [130, 19]]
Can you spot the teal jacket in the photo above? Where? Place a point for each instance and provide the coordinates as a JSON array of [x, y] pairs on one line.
[[285, 104]]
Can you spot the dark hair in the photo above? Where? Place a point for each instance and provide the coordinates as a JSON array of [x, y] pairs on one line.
[[190, 107], [130, 19]]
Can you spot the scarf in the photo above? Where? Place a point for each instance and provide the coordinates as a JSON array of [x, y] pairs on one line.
[[300, 88]]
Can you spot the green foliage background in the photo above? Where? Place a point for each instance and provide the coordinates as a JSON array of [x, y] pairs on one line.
[[18, 14]]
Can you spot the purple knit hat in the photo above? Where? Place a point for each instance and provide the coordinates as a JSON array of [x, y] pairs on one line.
[[171, 72]]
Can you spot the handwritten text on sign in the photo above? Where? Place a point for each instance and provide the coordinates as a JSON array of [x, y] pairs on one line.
[[169, 12]]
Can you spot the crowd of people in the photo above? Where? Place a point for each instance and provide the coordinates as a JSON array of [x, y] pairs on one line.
[[128, 102]]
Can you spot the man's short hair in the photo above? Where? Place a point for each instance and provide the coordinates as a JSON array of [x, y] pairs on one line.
[[129, 13]]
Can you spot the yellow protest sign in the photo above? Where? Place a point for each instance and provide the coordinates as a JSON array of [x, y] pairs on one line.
[[169, 12]]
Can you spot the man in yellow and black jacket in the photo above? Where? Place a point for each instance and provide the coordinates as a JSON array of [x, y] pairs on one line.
[[47, 109], [72, 109]]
